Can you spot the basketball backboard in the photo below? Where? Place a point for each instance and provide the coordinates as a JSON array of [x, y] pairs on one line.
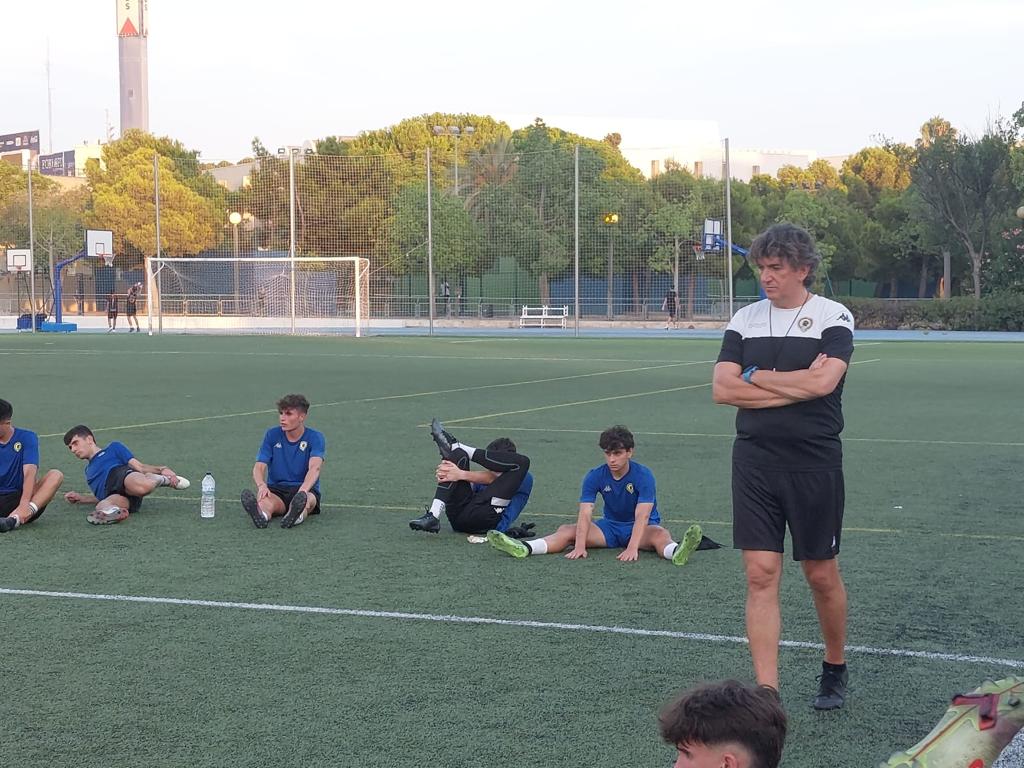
[[18, 259], [99, 243]]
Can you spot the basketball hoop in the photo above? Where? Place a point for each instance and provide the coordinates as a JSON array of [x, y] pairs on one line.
[[18, 259], [100, 244]]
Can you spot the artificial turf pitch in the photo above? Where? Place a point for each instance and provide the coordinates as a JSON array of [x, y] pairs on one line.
[[931, 557]]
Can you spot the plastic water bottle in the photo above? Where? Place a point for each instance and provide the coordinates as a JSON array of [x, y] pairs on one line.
[[207, 507]]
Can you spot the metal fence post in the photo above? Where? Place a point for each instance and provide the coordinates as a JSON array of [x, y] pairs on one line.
[[430, 249], [576, 229]]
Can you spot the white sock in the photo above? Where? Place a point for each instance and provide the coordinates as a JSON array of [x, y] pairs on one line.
[[262, 511], [537, 546], [437, 507], [33, 506], [669, 550], [160, 480], [469, 449]]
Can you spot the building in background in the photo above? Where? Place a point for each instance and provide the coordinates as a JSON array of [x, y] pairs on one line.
[[20, 149], [133, 63]]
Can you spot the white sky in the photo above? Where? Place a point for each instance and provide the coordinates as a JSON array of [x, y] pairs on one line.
[[825, 76]]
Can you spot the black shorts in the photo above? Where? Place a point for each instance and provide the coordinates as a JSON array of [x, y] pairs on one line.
[[287, 492], [476, 515], [130, 312], [115, 484], [765, 501], [111, 315], [10, 501]]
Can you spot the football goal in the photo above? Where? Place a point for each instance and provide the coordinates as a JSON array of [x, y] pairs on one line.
[[304, 295]]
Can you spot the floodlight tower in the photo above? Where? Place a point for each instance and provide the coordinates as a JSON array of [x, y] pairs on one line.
[[133, 63]]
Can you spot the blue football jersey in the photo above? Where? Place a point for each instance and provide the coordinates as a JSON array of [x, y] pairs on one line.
[[21, 449], [99, 466], [621, 496], [287, 462]]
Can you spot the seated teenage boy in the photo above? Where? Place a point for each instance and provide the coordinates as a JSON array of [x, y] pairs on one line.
[[630, 521], [476, 501]]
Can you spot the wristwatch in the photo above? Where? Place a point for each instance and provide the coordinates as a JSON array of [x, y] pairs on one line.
[[748, 373]]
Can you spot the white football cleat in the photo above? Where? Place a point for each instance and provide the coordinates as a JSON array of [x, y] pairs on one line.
[[182, 483]]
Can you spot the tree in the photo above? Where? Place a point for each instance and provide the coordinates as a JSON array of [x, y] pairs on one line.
[[965, 184], [123, 201]]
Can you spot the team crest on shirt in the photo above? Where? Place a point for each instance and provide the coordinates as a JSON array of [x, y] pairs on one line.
[[17, 447], [629, 488], [302, 445], [805, 324]]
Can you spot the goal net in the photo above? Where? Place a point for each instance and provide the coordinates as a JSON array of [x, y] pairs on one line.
[[305, 295]]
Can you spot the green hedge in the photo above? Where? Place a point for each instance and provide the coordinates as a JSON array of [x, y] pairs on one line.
[[998, 312]]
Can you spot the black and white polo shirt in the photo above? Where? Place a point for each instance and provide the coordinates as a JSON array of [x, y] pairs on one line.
[[803, 436]]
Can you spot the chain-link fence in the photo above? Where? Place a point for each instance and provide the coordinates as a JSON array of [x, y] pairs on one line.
[[448, 237]]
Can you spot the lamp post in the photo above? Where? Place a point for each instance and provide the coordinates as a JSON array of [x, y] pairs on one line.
[[611, 219], [235, 218], [455, 132]]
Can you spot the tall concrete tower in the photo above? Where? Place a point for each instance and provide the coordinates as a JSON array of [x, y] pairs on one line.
[[133, 63]]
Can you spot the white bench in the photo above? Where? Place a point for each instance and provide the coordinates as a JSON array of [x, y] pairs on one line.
[[544, 317]]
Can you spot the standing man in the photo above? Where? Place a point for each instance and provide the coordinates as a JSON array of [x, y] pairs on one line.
[[23, 494], [287, 468], [131, 305], [112, 307], [782, 364], [117, 479], [446, 296], [671, 305]]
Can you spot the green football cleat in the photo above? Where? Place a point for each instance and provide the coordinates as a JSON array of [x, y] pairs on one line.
[[974, 730], [507, 544], [689, 544]]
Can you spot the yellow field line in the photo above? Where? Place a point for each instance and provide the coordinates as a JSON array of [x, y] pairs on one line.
[[575, 403]]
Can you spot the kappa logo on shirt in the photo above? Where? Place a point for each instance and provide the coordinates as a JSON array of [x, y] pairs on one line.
[[277, 445], [17, 447], [607, 489], [845, 318], [302, 446]]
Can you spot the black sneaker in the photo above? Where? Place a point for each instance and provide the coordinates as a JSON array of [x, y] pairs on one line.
[[294, 514], [426, 522], [831, 689], [7, 524], [443, 439], [249, 505]]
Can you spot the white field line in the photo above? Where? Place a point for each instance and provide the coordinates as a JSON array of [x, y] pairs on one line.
[[383, 398], [731, 435], [702, 637]]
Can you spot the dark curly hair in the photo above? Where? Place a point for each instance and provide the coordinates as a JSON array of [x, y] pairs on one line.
[[616, 438], [793, 244], [728, 712]]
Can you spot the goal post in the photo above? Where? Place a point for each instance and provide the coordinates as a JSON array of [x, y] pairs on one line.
[[306, 295]]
